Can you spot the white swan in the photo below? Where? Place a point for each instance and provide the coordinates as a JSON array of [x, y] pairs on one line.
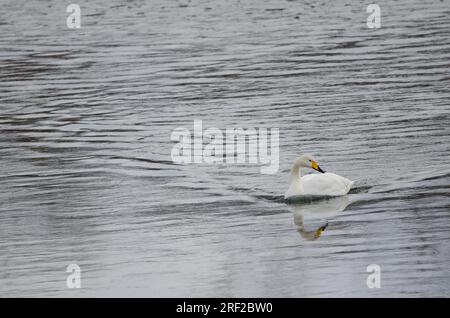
[[325, 184]]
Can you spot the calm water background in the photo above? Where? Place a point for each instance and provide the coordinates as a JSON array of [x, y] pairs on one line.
[[86, 175]]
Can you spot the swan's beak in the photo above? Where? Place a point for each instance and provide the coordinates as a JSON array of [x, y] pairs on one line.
[[316, 167], [319, 231]]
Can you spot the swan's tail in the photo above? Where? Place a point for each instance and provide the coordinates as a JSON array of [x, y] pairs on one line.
[[350, 185]]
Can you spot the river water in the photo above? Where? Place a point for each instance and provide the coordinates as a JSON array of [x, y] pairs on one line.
[[87, 178]]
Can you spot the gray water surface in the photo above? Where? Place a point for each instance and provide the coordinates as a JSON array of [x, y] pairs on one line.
[[86, 174]]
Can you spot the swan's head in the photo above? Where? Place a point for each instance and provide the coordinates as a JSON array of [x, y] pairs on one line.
[[308, 161]]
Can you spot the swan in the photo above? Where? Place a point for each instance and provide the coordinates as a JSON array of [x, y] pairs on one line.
[[325, 184]]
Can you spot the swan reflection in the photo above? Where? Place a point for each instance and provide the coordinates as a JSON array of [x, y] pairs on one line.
[[311, 214]]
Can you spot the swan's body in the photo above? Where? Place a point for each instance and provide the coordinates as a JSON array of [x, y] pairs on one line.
[[325, 184]]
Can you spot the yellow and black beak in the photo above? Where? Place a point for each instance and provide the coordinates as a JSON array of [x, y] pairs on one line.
[[316, 167], [319, 231]]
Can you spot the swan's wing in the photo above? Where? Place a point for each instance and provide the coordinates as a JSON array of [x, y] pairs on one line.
[[326, 184]]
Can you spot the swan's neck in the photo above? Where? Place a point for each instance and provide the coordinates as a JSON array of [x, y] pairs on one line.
[[296, 172], [296, 185]]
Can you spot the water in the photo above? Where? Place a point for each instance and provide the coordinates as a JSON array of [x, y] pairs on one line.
[[86, 175]]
